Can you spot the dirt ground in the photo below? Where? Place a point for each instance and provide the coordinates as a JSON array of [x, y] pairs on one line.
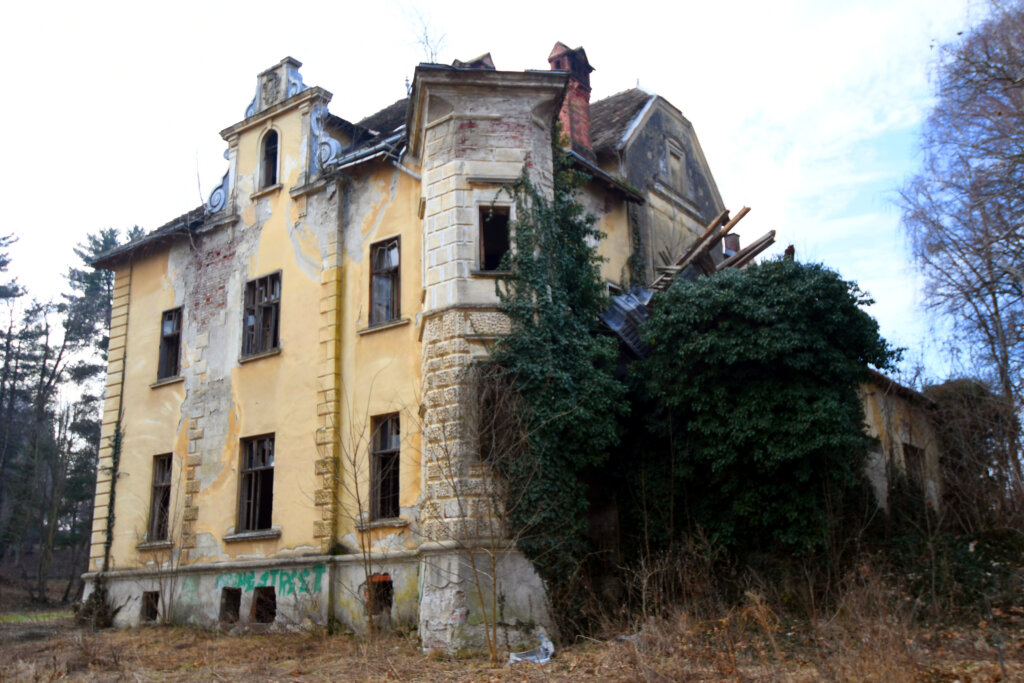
[[50, 647]]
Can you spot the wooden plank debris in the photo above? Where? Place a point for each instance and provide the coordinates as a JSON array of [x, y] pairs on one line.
[[714, 232]]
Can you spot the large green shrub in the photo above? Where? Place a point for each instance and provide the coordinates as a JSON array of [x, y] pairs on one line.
[[753, 428]]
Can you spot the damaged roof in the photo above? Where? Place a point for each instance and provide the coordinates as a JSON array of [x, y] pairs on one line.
[[612, 117], [181, 225], [388, 119]]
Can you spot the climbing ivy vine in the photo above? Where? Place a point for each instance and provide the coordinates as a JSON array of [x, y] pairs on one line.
[[561, 370]]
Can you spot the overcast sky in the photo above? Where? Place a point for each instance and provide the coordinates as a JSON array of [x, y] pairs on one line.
[[808, 112]]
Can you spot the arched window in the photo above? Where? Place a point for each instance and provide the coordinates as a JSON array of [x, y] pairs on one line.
[[269, 160]]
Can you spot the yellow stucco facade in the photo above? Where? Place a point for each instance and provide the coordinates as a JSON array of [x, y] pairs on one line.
[[294, 349]]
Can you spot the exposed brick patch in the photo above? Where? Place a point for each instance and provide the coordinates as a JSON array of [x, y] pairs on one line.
[[212, 269]]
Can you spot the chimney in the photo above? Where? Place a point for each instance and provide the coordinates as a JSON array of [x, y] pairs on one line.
[[575, 114], [730, 244]]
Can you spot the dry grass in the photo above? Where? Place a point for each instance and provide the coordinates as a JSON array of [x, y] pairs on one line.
[[748, 643], [870, 636]]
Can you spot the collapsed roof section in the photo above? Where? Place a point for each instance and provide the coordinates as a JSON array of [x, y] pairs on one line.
[[628, 311]]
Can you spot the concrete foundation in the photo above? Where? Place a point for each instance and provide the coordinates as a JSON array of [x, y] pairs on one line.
[[435, 591]]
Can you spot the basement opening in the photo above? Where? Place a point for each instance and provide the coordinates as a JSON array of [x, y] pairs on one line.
[[264, 605], [230, 603], [379, 596], [150, 605]]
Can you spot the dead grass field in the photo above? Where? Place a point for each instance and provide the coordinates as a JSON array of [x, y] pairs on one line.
[[744, 646]]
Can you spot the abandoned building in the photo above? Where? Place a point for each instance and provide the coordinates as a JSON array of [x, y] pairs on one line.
[[284, 361]]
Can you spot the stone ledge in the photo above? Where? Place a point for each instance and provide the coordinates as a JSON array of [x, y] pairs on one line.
[[392, 522], [155, 545], [384, 326], [265, 191], [262, 534], [276, 351]]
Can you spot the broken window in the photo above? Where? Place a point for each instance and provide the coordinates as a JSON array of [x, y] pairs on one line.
[[230, 603], [494, 238], [150, 606], [262, 313], [269, 159], [386, 445], [160, 508], [256, 500], [170, 344], [264, 605], [384, 281], [379, 596]]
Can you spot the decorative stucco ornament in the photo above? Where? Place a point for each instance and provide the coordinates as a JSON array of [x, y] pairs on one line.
[[275, 85], [219, 196], [271, 88], [295, 84], [251, 109], [328, 150]]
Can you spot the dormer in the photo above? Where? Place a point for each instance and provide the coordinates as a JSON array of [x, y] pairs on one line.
[[275, 146]]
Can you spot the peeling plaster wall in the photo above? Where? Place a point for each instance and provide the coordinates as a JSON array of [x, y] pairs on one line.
[[893, 421], [319, 393], [221, 399], [193, 596], [153, 414], [452, 611], [379, 368], [613, 220]]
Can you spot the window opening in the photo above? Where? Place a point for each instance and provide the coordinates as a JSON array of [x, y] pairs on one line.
[[494, 239], [264, 605], [497, 422], [384, 281], [150, 605], [160, 508], [170, 344], [269, 160], [380, 595], [230, 603], [262, 313], [256, 501], [387, 441]]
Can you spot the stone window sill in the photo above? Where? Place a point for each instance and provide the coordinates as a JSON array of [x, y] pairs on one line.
[[155, 545], [490, 273], [260, 535], [392, 522], [167, 380], [262, 354], [265, 191], [384, 326]]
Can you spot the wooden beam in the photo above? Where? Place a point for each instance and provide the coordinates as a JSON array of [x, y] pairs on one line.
[[744, 255]]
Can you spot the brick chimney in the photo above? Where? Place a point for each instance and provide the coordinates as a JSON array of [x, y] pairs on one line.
[[575, 114]]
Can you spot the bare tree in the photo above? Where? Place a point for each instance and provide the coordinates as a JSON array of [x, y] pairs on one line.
[[356, 502], [482, 460], [964, 211], [426, 37]]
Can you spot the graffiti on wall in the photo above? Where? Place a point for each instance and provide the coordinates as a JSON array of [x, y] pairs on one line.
[[284, 581]]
